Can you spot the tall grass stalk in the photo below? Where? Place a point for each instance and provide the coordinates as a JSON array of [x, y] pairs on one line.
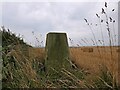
[[93, 37], [38, 41], [114, 33], [107, 24], [71, 41], [93, 41], [100, 21], [80, 43], [84, 42], [110, 38], [87, 41]]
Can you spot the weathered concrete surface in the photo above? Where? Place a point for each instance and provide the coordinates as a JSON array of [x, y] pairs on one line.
[[57, 52]]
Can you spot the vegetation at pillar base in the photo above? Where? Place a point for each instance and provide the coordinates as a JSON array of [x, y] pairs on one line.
[[57, 60]]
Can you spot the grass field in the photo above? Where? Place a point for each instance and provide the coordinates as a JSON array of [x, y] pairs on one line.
[[89, 60], [92, 61]]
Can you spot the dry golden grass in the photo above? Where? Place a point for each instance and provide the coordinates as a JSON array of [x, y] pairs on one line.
[[25, 59], [91, 61], [88, 59], [36, 53]]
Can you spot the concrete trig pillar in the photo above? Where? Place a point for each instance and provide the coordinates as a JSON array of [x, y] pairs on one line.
[[57, 52]]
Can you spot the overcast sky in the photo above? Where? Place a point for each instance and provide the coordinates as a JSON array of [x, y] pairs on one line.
[[24, 18]]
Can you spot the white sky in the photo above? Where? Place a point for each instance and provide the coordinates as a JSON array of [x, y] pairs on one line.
[[42, 17]]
